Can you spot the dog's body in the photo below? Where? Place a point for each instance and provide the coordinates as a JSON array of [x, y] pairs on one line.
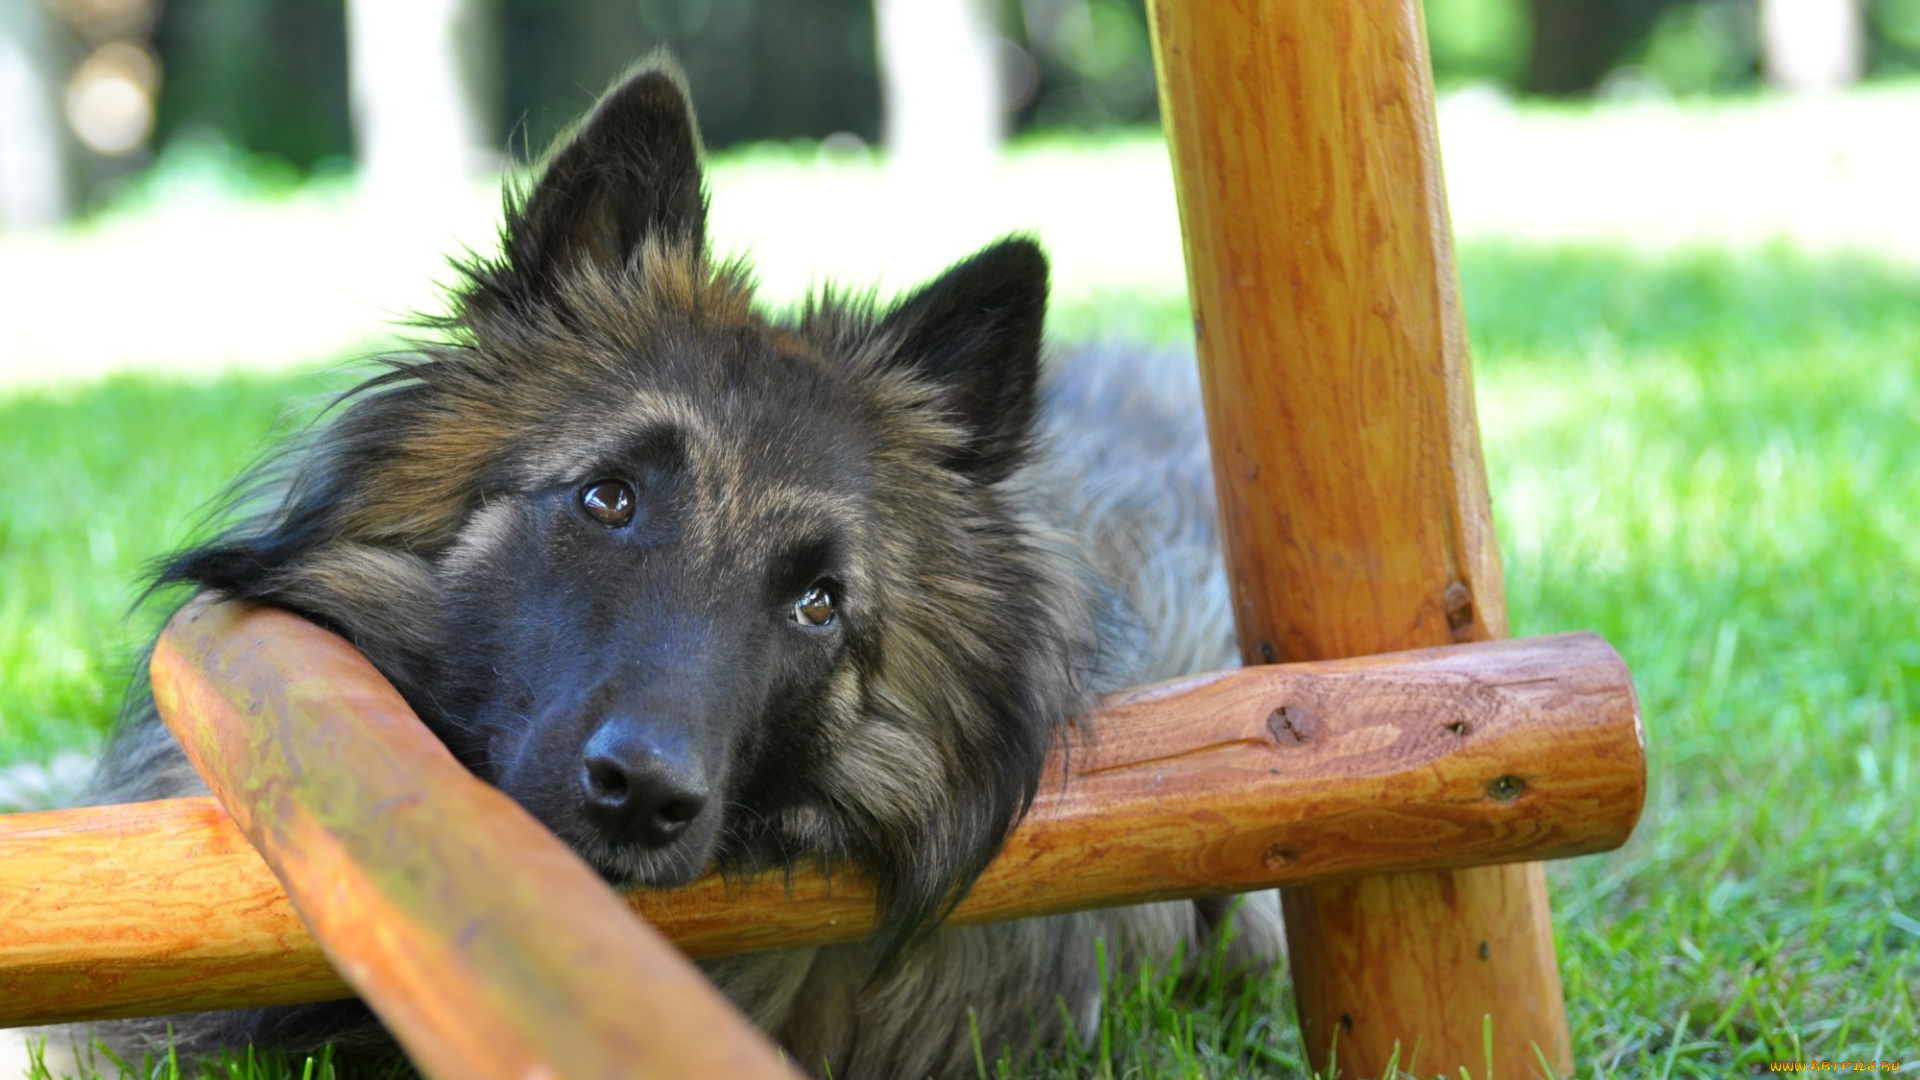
[[700, 587]]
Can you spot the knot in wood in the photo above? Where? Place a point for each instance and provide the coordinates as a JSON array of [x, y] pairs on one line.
[[1276, 857], [1292, 725], [1458, 602]]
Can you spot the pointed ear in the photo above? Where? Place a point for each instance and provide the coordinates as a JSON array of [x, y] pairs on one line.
[[975, 332], [629, 173]]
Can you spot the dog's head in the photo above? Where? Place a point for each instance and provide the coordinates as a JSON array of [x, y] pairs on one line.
[[695, 585]]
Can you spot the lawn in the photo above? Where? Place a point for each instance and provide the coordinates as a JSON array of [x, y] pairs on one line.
[[1708, 450]]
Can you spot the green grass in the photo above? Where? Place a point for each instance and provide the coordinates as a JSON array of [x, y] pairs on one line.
[[1712, 459], [246, 1065], [99, 479]]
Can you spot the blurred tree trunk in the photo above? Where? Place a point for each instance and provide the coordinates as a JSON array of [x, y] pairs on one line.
[[1574, 45], [1812, 45], [33, 167], [1577, 42], [420, 76], [939, 83]]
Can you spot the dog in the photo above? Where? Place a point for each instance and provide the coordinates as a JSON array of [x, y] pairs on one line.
[[706, 588]]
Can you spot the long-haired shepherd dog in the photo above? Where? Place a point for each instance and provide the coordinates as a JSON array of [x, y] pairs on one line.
[[703, 587]]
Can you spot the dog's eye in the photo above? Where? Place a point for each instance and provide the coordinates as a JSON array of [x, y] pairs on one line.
[[609, 501], [815, 606]]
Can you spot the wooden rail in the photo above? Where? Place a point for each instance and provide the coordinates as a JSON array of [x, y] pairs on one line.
[[1220, 783], [484, 944], [1353, 497]]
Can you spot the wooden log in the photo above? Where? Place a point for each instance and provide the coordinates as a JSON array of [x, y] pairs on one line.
[[142, 910], [486, 946], [1347, 457], [1222, 782]]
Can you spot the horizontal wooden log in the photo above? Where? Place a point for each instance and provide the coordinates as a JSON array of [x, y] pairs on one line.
[[486, 946], [1456, 756], [145, 909]]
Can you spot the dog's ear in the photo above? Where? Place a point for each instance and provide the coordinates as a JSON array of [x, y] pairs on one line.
[[628, 174], [975, 332]]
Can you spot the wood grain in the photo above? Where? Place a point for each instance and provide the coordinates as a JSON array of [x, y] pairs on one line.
[[1352, 491], [1217, 783], [141, 910], [485, 945]]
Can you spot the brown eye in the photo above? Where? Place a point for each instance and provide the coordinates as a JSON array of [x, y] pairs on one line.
[[609, 501], [815, 606]]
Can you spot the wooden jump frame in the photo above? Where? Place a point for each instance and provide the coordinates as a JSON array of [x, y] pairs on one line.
[[1243, 779], [1382, 790]]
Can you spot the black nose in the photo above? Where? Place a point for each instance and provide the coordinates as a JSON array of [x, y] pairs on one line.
[[640, 787]]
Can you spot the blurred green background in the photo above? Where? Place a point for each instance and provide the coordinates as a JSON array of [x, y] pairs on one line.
[[271, 78], [1690, 256]]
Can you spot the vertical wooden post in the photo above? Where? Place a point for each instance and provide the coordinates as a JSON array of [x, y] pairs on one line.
[[1352, 490]]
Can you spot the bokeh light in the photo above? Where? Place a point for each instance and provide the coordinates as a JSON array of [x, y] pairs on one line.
[[110, 98]]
